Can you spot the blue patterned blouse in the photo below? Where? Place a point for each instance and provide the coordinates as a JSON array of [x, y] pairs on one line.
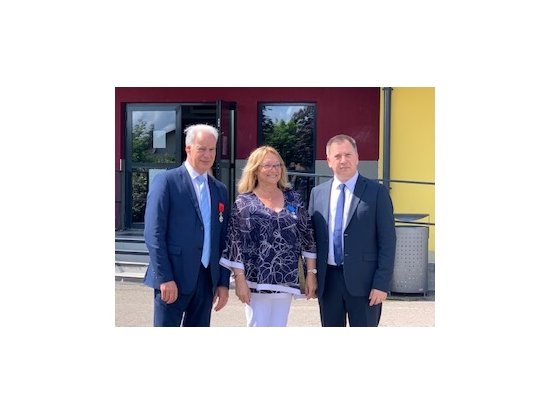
[[268, 244]]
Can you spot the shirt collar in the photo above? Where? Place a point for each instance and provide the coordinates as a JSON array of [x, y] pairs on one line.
[[193, 173], [350, 184]]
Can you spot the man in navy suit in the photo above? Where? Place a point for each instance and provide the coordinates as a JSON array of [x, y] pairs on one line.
[[355, 236], [185, 226]]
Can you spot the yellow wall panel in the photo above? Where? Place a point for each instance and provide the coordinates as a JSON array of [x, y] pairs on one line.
[[412, 152]]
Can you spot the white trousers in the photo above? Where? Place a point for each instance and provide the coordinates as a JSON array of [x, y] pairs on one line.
[[268, 310]]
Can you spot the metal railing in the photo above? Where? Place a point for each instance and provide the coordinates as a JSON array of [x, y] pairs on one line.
[[304, 182], [409, 217]]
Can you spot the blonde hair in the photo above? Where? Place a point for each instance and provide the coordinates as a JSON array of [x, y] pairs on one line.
[[249, 179]]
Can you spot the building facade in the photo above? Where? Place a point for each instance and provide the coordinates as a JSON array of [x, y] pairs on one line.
[[149, 125], [394, 129]]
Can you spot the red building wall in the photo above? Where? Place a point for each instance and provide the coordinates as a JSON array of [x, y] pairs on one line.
[[353, 111]]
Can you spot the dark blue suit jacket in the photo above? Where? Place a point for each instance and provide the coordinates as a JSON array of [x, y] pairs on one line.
[[369, 237], [174, 231]]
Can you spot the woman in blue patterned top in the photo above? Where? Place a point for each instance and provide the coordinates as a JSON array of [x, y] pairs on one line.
[[269, 231]]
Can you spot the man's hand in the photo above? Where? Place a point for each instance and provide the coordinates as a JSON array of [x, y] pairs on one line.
[[376, 296], [222, 295], [168, 292]]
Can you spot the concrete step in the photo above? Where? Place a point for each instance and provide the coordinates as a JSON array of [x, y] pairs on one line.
[[135, 271], [129, 277], [126, 266], [131, 255], [123, 255], [130, 245], [129, 233], [130, 271]]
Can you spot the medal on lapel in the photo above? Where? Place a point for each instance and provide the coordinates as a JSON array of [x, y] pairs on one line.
[[292, 210], [221, 208]]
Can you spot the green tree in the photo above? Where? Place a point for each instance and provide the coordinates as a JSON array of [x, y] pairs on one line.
[[142, 145], [293, 139], [139, 195], [142, 138], [304, 120]]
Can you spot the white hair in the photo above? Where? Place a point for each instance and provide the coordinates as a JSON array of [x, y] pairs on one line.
[[192, 130]]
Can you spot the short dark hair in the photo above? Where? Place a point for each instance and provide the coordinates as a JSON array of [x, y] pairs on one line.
[[339, 138]]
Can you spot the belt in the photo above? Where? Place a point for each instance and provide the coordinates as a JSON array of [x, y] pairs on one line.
[[253, 290], [335, 267]]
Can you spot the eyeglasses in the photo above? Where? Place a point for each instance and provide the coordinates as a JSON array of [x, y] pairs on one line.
[[271, 166]]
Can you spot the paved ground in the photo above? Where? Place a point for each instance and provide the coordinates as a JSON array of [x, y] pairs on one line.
[[134, 308]]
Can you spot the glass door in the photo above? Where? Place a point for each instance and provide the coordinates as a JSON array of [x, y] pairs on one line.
[[153, 144], [155, 141], [224, 167]]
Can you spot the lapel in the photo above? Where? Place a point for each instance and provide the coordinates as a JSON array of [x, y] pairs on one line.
[[189, 189], [357, 192], [214, 199], [325, 203]]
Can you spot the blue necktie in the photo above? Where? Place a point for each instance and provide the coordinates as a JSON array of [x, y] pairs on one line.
[[338, 220], [205, 213]]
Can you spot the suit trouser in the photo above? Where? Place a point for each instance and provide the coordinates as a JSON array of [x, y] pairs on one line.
[[337, 303], [189, 310]]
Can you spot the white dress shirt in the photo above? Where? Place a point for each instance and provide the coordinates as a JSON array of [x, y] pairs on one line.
[[194, 175], [334, 194]]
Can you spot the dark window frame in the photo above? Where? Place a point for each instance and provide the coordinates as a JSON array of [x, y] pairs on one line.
[[261, 138]]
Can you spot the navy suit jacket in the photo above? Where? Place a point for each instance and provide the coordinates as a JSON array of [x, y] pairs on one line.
[[369, 236], [174, 231]]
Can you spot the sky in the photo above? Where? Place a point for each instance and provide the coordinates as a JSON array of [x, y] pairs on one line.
[[281, 112]]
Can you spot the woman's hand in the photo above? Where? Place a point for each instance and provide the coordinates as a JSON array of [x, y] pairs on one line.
[[241, 288], [311, 286]]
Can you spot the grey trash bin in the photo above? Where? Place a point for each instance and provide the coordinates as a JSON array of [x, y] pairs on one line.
[[410, 273]]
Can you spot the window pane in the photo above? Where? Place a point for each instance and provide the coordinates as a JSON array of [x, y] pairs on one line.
[[290, 129], [139, 194], [154, 136], [141, 181]]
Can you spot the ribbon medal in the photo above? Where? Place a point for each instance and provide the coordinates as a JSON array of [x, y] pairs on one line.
[[221, 208]]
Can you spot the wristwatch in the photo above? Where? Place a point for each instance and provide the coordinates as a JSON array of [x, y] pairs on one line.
[[312, 271]]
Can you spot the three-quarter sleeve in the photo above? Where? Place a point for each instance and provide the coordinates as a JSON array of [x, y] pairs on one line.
[[305, 230], [232, 255]]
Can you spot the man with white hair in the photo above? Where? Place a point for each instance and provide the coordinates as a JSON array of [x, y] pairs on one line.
[[186, 220]]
